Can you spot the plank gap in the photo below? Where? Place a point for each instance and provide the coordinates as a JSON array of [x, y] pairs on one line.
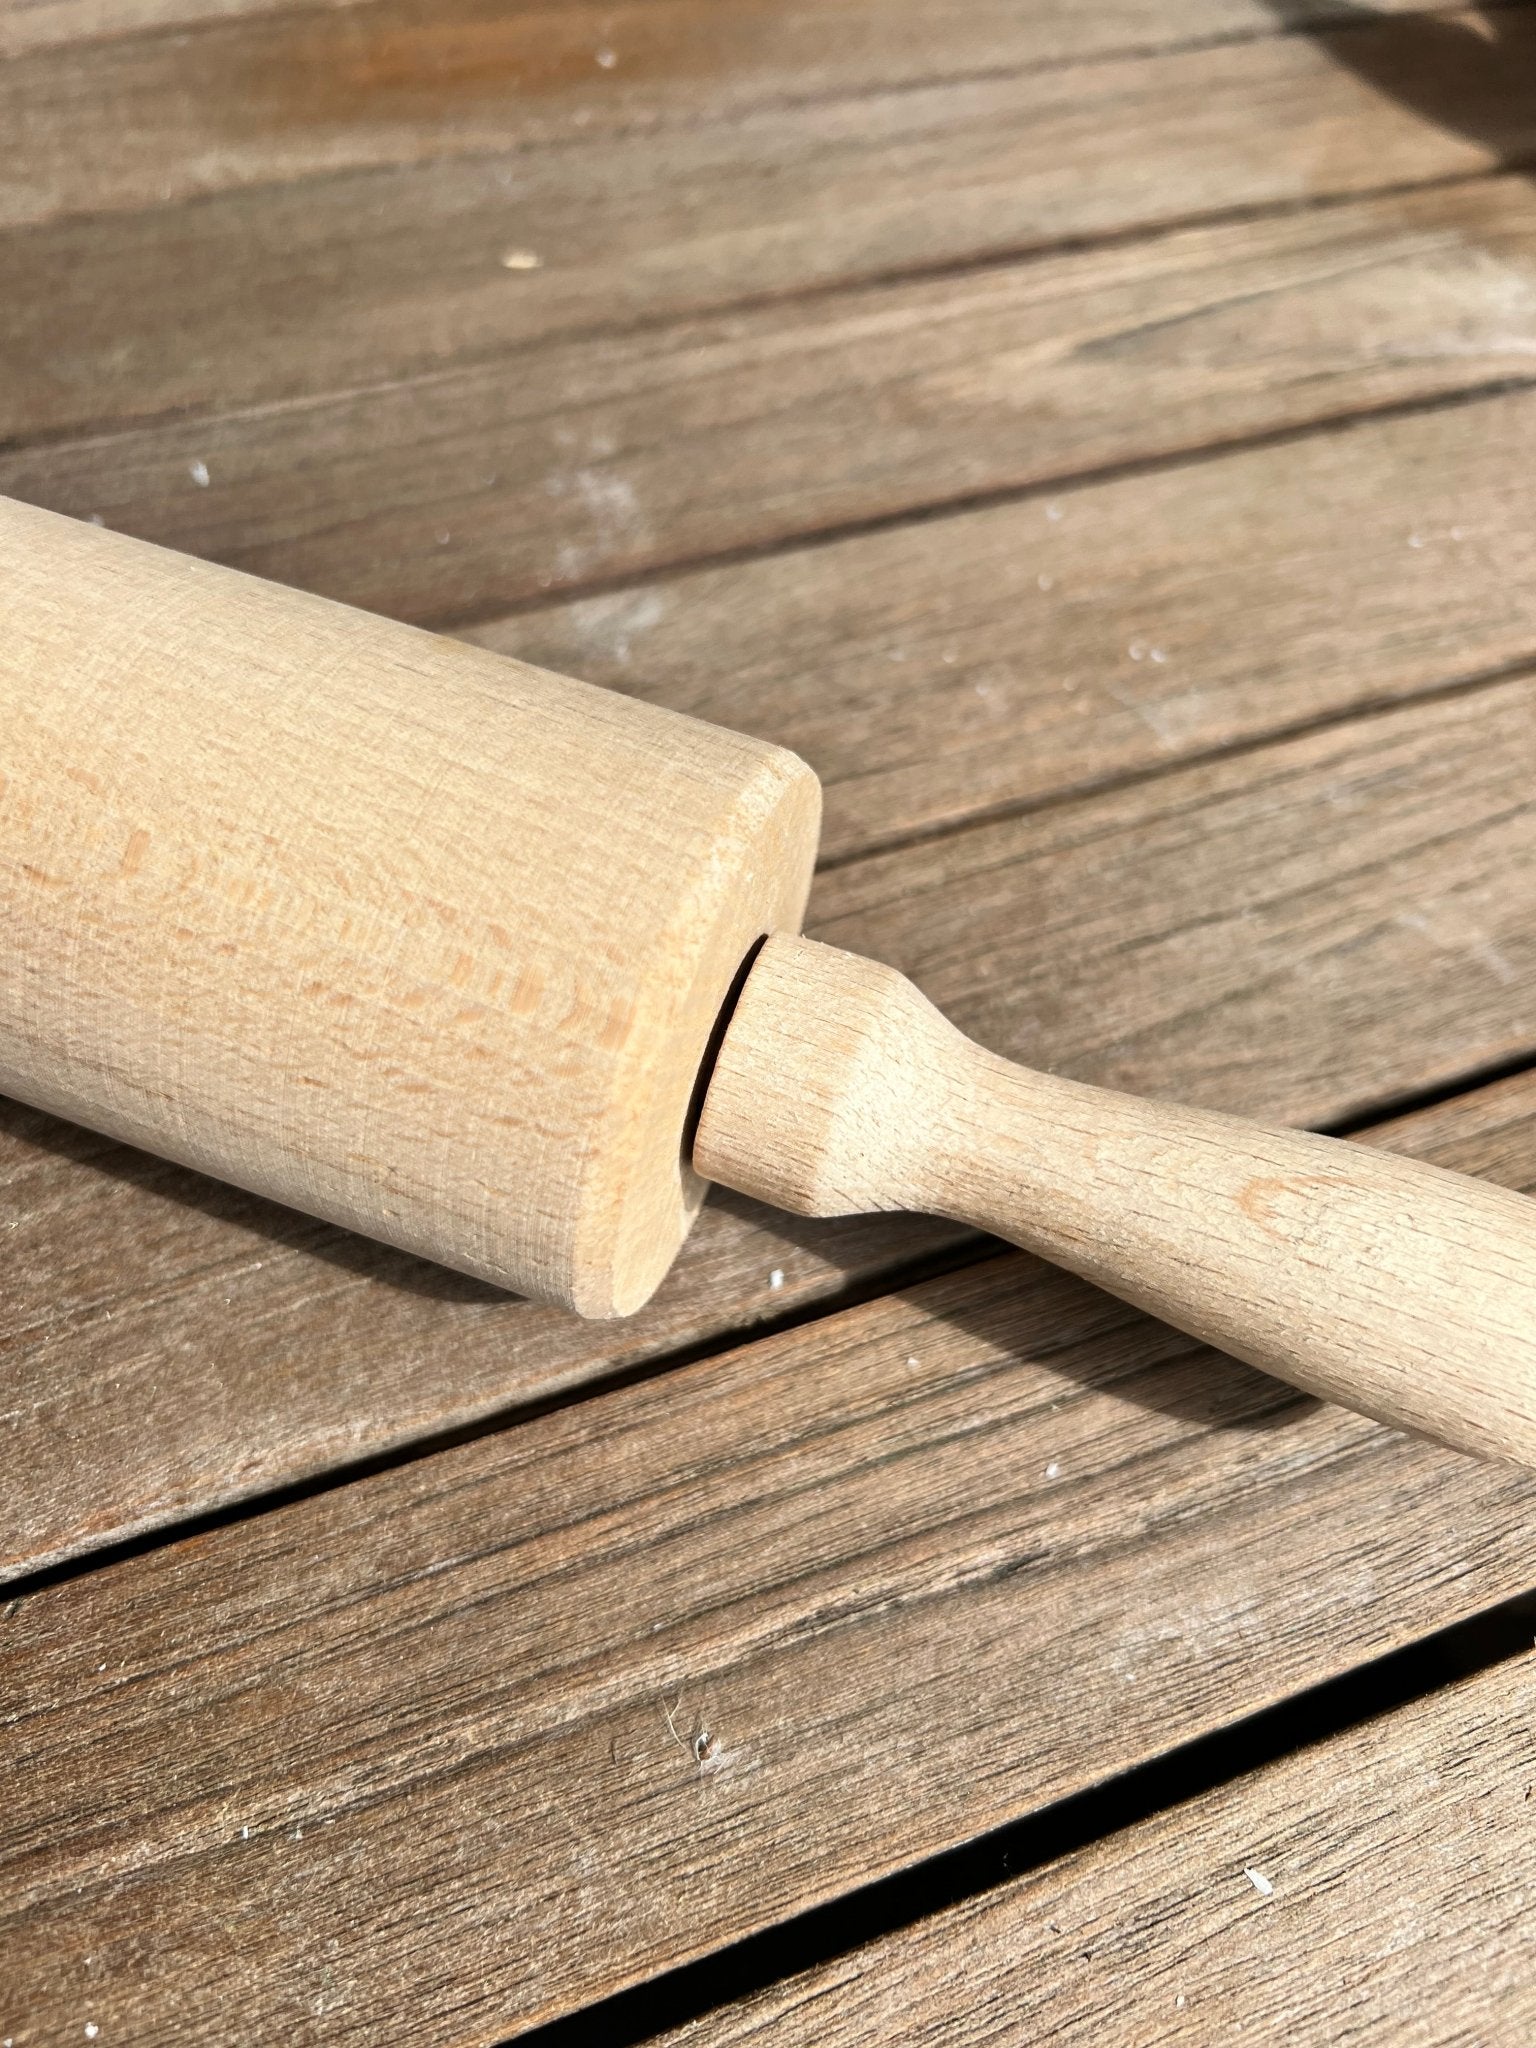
[[1412, 1101], [909, 1897], [971, 1249], [1359, 713]]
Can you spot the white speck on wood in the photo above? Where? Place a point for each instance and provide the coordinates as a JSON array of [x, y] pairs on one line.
[[522, 259], [776, 1277], [198, 471], [1259, 1881]]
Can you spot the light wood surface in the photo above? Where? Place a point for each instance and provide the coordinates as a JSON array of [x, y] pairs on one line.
[[282, 227], [418, 940], [916, 1569], [1377, 1885], [1394, 1287]]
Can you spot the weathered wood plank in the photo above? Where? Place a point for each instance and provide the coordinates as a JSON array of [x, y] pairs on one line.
[[1484, 1132], [169, 1344], [220, 93], [1190, 937], [455, 495], [279, 290], [409, 1741], [896, 1578], [1063, 31], [1297, 933], [1399, 1864], [32, 25], [933, 671]]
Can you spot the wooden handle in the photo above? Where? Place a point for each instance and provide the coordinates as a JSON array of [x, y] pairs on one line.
[[1394, 1287]]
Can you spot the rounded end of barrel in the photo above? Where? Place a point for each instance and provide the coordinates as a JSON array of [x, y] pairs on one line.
[[642, 1195]]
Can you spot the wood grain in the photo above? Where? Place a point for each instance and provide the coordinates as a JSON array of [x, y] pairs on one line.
[[219, 95], [1291, 934], [356, 278], [1048, 938], [31, 25], [897, 1578], [929, 1562], [1399, 1864], [453, 496], [1060, 29], [935, 670]]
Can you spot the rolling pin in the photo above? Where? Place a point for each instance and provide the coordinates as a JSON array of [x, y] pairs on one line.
[[503, 969]]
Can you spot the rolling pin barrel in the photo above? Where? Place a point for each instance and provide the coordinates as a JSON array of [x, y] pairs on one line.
[[388, 928]]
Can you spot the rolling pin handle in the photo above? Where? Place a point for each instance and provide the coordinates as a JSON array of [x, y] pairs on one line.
[[1391, 1286]]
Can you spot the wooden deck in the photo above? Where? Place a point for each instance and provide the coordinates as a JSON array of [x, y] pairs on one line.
[[1102, 441]]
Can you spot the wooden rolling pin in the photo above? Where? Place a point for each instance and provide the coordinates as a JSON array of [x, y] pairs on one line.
[[466, 956]]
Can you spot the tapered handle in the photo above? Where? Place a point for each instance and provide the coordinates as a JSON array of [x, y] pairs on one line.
[[1391, 1286]]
